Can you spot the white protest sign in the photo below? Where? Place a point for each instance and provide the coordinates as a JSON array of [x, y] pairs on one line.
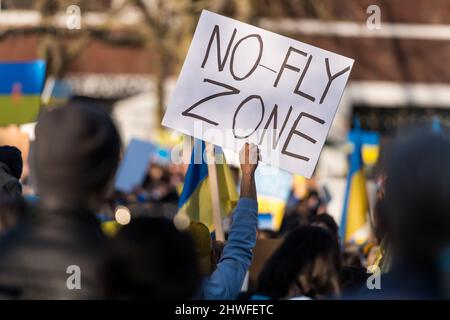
[[240, 83]]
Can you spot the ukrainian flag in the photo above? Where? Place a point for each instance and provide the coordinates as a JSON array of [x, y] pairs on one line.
[[20, 91], [195, 199], [354, 216]]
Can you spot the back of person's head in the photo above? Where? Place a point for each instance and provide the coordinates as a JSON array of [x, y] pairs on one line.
[[326, 221], [302, 266], [150, 259], [216, 254], [203, 246], [417, 203], [378, 218], [12, 157], [11, 165], [352, 277], [76, 154], [352, 255]]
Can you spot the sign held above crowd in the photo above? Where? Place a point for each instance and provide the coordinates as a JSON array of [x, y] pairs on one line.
[[240, 83]]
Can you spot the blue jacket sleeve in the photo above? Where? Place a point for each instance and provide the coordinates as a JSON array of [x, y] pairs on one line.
[[226, 281]]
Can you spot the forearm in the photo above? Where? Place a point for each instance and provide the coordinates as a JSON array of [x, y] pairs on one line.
[[248, 187], [226, 281]]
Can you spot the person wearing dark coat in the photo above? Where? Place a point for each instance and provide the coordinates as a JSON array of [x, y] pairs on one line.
[[10, 171], [56, 252], [415, 216]]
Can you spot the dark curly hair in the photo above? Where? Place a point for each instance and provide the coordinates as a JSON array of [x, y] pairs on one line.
[[303, 263]]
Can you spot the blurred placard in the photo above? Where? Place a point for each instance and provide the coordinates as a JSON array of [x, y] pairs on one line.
[[240, 83], [20, 91], [134, 165], [274, 186]]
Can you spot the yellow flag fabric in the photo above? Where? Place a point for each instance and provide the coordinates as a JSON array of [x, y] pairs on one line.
[[354, 215], [195, 199]]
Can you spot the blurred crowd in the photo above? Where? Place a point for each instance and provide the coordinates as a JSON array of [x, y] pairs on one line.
[[71, 222]]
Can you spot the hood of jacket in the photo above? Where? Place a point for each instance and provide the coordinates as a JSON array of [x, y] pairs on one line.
[[9, 184]]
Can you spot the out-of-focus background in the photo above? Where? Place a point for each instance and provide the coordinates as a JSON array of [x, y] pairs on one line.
[[124, 56]]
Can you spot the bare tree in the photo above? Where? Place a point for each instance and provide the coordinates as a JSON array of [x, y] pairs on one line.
[[170, 25], [165, 29]]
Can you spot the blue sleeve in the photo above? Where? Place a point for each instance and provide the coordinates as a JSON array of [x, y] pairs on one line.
[[226, 281]]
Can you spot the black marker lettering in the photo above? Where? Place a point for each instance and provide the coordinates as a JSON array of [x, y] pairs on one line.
[[240, 107], [331, 78], [296, 90], [273, 115], [258, 59], [285, 64], [216, 34], [232, 90], [301, 134]]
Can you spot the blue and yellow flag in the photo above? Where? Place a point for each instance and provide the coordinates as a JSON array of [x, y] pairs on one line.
[[195, 199], [20, 91], [354, 215]]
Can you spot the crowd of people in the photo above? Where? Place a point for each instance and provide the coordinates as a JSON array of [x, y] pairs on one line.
[[76, 154]]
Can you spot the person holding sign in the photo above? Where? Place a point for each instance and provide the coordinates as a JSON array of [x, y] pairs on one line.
[[240, 83], [226, 281]]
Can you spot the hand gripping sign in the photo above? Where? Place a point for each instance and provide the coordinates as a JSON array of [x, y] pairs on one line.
[[240, 83]]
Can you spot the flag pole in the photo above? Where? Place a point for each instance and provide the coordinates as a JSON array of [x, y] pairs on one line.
[[214, 188], [48, 90]]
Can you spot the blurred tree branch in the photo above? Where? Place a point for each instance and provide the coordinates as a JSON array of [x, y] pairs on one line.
[[165, 27]]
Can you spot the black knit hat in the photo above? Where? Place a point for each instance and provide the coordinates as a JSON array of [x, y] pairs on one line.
[[77, 152], [12, 157]]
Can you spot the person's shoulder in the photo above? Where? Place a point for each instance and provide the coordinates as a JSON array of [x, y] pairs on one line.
[[391, 287], [39, 242], [8, 183], [15, 264]]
